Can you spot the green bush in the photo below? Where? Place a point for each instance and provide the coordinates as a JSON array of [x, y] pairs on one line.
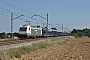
[[3, 36], [75, 35], [89, 35], [78, 35]]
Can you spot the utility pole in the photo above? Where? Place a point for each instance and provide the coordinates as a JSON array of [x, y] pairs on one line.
[[62, 27], [12, 24], [43, 25], [47, 26], [69, 30], [45, 19]]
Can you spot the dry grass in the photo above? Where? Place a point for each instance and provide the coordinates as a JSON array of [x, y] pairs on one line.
[[18, 52]]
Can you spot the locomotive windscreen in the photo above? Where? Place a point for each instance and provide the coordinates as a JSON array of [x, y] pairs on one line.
[[23, 29]]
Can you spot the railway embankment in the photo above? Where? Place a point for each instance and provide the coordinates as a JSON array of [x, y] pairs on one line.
[[48, 40], [16, 50], [77, 49]]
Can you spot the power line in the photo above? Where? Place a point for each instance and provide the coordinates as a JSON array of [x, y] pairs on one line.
[[29, 20], [3, 11], [18, 13], [5, 15], [15, 12], [20, 18], [24, 16], [16, 7], [10, 11]]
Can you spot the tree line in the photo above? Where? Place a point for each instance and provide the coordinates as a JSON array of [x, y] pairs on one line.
[[8, 35], [80, 33]]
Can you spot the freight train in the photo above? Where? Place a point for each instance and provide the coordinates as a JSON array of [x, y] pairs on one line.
[[27, 31]]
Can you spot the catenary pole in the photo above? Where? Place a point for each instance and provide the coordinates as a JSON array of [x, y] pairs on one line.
[[62, 27], [47, 25], [43, 18], [12, 38], [11, 26]]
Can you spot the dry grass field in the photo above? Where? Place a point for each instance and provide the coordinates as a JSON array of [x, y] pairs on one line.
[[71, 49], [77, 49]]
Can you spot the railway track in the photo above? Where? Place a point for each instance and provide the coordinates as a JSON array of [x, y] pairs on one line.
[[9, 42]]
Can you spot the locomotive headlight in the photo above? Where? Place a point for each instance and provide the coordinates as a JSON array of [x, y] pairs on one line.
[[36, 30]]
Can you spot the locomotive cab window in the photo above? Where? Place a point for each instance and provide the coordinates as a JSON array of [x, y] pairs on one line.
[[29, 28], [23, 29]]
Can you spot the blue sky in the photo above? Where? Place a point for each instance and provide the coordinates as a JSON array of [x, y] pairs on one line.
[[72, 13]]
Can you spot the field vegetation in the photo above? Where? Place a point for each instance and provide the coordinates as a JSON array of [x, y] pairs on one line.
[[77, 33], [18, 52]]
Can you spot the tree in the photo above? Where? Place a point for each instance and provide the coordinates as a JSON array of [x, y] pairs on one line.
[[74, 31], [3, 35], [80, 33]]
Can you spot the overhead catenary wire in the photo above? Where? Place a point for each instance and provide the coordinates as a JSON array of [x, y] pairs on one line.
[[3, 11], [24, 16], [19, 9], [21, 19], [8, 10], [32, 19], [15, 7], [29, 20], [17, 13], [5, 15]]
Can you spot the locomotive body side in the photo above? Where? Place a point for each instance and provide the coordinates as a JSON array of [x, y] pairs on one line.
[[24, 31], [36, 31], [27, 31]]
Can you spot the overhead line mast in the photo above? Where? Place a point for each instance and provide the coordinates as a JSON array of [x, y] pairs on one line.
[[12, 24], [45, 19]]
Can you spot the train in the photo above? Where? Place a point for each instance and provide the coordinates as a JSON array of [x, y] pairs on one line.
[[27, 31]]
